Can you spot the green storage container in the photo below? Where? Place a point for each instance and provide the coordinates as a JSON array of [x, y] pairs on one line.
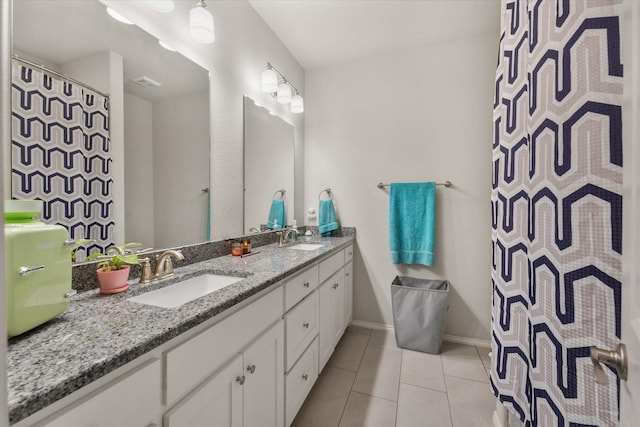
[[37, 268]]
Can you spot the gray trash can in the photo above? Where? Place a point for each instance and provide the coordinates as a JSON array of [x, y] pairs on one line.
[[419, 306]]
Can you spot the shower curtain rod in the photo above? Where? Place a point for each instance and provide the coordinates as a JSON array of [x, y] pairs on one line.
[[62, 76], [446, 184]]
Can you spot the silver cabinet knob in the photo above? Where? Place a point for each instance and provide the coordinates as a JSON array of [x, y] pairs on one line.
[[305, 284], [240, 379], [305, 325], [305, 377], [251, 368], [335, 286], [616, 359]]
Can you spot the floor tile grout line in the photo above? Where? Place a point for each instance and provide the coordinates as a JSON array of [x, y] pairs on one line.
[[354, 380]]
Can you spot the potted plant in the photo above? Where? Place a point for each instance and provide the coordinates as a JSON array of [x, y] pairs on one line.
[[113, 271]]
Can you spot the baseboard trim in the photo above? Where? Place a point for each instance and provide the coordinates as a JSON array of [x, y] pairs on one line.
[[449, 338]]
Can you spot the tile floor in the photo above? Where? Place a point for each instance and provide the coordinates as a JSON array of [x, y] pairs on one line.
[[370, 382]]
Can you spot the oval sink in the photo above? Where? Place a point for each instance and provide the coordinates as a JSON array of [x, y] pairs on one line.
[[175, 295], [306, 246]]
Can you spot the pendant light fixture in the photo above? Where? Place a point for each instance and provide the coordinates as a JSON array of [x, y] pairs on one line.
[[284, 92], [269, 80], [277, 85], [297, 103], [201, 23]]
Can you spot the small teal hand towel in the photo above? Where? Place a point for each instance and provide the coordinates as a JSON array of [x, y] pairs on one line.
[[412, 222], [326, 218], [276, 213]]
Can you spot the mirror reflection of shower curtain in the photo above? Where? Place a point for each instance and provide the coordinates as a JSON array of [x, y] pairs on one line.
[[60, 154]]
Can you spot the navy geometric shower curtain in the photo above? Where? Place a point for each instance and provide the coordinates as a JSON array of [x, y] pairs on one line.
[[557, 210], [60, 154]]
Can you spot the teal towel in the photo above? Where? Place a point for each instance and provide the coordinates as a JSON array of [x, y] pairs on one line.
[[326, 218], [276, 213], [412, 222]]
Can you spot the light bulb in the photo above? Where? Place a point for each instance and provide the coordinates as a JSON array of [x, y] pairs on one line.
[[297, 104], [284, 93], [164, 6], [201, 24], [269, 81], [115, 15]]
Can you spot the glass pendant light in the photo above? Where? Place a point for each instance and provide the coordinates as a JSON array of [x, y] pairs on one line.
[[284, 93], [201, 24], [297, 103], [269, 80]]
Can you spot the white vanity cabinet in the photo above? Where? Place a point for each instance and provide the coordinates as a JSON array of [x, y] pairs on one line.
[[332, 319], [348, 293], [245, 392]]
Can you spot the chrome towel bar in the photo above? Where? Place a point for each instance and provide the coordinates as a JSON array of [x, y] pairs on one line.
[[446, 184]]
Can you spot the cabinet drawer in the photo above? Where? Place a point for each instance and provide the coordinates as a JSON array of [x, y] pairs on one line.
[[331, 265], [189, 363], [301, 328], [300, 286], [300, 380], [348, 254]]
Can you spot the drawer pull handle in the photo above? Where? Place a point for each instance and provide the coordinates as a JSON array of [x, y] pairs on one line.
[[23, 271], [305, 377], [305, 284], [335, 286], [305, 325], [346, 274], [350, 253], [240, 379], [251, 368], [71, 293]]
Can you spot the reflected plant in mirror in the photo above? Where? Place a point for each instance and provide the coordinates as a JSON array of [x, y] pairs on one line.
[[269, 144], [138, 168]]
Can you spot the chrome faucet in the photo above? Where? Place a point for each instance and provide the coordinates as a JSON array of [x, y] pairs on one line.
[[284, 235], [164, 265]]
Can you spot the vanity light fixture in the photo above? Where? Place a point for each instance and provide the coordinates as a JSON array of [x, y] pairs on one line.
[[115, 15], [277, 85], [297, 103], [269, 80], [164, 6], [284, 92], [201, 23]]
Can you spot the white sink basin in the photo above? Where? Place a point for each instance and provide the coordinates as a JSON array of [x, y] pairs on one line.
[[182, 292], [306, 246]]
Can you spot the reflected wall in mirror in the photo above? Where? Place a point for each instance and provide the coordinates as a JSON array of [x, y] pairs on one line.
[[269, 144], [159, 134]]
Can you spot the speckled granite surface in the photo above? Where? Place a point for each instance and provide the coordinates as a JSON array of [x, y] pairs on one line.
[[101, 333]]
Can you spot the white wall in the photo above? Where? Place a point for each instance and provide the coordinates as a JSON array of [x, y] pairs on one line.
[[423, 114], [244, 44], [138, 170]]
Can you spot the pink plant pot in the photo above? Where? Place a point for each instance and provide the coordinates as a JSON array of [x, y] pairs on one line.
[[112, 282]]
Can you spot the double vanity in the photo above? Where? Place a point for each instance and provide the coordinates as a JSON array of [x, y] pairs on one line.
[[245, 353]]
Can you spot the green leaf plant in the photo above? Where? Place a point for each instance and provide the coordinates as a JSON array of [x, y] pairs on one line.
[[115, 262]]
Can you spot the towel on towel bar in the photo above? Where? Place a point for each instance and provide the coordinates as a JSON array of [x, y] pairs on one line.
[[412, 219], [276, 213], [326, 218]]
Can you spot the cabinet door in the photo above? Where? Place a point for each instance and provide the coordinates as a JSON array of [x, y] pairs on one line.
[[325, 334], [337, 305], [348, 294], [131, 400], [264, 385], [217, 402]]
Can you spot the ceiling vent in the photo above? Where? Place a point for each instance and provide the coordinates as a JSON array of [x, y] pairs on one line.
[[145, 81]]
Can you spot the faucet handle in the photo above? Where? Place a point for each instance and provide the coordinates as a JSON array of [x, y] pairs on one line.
[[145, 275]]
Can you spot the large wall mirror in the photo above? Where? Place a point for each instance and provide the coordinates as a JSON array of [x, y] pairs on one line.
[[269, 145], [164, 137]]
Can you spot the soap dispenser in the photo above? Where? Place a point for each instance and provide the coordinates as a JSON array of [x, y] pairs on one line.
[[275, 224]]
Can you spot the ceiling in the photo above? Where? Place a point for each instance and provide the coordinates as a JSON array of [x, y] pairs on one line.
[[322, 33]]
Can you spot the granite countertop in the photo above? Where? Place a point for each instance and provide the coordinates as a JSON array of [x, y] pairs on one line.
[[99, 333]]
